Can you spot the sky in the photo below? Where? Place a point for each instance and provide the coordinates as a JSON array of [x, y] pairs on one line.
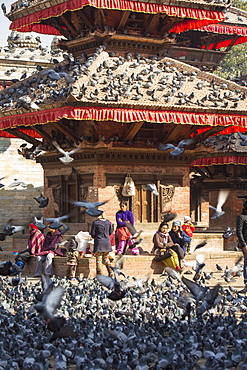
[[5, 24]]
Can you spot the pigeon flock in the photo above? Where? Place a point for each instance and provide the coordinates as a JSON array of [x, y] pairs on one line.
[[175, 323]]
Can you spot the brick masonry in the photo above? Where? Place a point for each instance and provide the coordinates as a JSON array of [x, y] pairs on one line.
[[18, 203]]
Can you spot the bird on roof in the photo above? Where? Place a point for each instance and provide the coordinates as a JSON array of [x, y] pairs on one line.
[[66, 159], [42, 200], [244, 138], [222, 197], [3, 6], [91, 207]]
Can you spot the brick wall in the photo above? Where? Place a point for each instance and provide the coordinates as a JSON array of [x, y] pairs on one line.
[[18, 203]]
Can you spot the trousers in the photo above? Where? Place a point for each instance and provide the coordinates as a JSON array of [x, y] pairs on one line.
[[121, 246], [48, 264]]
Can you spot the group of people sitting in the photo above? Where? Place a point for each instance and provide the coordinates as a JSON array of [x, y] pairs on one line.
[[170, 247]]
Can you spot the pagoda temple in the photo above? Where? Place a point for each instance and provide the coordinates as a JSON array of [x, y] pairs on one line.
[[135, 75]]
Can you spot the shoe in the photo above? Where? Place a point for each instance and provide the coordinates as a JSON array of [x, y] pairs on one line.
[[178, 268]]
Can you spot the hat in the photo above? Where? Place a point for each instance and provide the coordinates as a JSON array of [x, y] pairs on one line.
[[55, 225], [177, 223], [34, 226], [187, 218]]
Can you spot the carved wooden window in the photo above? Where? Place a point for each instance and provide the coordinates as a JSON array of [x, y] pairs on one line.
[[68, 188], [146, 206]]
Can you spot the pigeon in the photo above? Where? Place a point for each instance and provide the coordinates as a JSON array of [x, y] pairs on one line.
[[66, 159], [176, 150], [219, 268], [42, 201], [197, 290], [138, 284], [10, 229], [169, 217], [227, 233], [244, 139], [39, 223], [55, 221], [50, 301], [2, 185], [91, 207], [3, 6], [151, 187], [222, 197], [16, 183], [200, 245], [135, 234], [209, 300], [114, 285]]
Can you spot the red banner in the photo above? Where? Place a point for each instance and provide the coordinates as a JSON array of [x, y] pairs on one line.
[[228, 159], [32, 22], [124, 115]]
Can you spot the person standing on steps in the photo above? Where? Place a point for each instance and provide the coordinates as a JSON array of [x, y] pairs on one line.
[[123, 234], [100, 231], [241, 232]]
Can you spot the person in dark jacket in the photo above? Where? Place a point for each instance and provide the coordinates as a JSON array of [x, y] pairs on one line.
[[179, 237], [50, 249], [241, 232], [101, 230]]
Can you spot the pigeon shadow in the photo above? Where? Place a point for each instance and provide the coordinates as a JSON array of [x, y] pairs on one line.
[[157, 267]]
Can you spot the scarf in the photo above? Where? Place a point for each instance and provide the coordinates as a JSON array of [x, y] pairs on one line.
[[164, 236]]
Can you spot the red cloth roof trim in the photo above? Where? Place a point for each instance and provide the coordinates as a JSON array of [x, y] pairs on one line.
[[122, 115], [31, 22], [212, 161]]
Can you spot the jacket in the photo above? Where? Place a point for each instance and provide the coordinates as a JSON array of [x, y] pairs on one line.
[[188, 229], [50, 243], [241, 229], [159, 242], [101, 231]]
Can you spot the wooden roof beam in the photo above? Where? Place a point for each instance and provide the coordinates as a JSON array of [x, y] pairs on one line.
[[170, 136], [66, 131], [85, 19], [132, 131], [54, 23], [39, 129], [123, 20], [23, 136], [69, 24], [152, 23]]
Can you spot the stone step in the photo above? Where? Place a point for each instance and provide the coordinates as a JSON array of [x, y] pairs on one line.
[[133, 266]]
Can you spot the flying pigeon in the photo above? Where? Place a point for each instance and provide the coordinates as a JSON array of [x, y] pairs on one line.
[[66, 159], [176, 150], [55, 221], [222, 197], [169, 217], [9, 230], [227, 233], [114, 285], [200, 245], [151, 187], [50, 301], [16, 183], [91, 207], [1, 185], [135, 234], [42, 201]]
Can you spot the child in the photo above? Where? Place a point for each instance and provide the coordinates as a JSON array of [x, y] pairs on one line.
[[73, 257], [188, 228]]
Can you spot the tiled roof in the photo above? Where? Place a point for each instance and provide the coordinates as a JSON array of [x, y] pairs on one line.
[[130, 82]]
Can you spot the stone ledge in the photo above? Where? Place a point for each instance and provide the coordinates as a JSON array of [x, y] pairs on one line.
[[134, 265]]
